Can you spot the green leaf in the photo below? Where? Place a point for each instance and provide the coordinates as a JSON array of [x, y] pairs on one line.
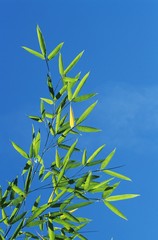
[[61, 67], [84, 157], [37, 54], [86, 113], [49, 101], [96, 152], [83, 97], [80, 85], [107, 159], [109, 190], [50, 86], [4, 217], [20, 150], [36, 144], [73, 63], [118, 175], [70, 217], [41, 41], [51, 233], [69, 153], [115, 210], [102, 184], [28, 180], [55, 51], [36, 118], [37, 213], [87, 129], [35, 206], [57, 158], [58, 119], [17, 218], [121, 197], [88, 181], [78, 205], [18, 190]]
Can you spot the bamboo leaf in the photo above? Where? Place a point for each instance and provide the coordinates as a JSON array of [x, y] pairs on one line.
[[58, 119], [41, 41], [70, 217], [84, 157], [118, 175], [28, 180], [36, 144], [87, 129], [55, 51], [83, 97], [49, 101], [88, 181], [86, 113], [20, 150], [37, 54], [61, 67], [109, 190], [78, 205], [80, 85], [73, 63], [4, 217], [96, 152], [18, 190], [121, 197], [35, 118], [69, 153], [72, 119], [17, 218], [107, 159], [51, 233], [35, 206], [50, 86], [57, 159], [115, 210], [37, 213]]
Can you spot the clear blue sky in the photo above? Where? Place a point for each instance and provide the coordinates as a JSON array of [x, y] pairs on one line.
[[120, 39]]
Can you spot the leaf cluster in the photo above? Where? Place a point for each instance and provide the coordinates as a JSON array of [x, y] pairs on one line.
[[73, 179]]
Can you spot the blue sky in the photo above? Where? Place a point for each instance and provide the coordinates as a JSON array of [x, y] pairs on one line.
[[120, 39]]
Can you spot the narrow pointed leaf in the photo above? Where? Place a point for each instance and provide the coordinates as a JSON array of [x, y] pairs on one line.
[[55, 51], [35, 53], [57, 158], [51, 233], [41, 41], [118, 175], [61, 67], [87, 129], [96, 152], [49, 101], [107, 159], [121, 197], [115, 210], [78, 205], [20, 150], [80, 85], [84, 157], [83, 97], [87, 182], [72, 119], [86, 113], [18, 190], [73, 63]]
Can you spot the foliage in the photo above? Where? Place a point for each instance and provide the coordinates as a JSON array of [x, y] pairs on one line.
[[73, 179]]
